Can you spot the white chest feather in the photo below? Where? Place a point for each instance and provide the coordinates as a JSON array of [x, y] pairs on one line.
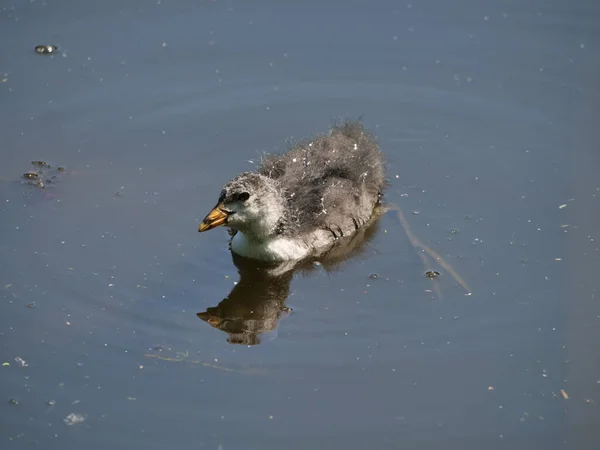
[[275, 249]]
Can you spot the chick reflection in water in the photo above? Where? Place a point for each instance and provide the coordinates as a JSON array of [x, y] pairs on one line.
[[257, 302]]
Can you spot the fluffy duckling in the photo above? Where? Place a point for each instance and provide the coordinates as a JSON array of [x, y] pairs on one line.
[[297, 204]]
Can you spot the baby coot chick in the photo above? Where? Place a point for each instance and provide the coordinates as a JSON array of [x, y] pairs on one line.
[[299, 203]]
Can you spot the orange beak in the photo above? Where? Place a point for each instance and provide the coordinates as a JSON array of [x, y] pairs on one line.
[[213, 321], [215, 218]]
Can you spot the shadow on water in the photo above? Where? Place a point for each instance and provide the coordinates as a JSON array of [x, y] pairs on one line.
[[257, 301]]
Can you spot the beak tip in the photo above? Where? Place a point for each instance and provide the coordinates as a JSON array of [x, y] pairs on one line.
[[215, 218]]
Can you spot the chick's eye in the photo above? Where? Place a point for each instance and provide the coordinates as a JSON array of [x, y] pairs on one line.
[[243, 196]]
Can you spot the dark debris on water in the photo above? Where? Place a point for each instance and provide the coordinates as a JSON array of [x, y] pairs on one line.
[[45, 49], [40, 173]]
